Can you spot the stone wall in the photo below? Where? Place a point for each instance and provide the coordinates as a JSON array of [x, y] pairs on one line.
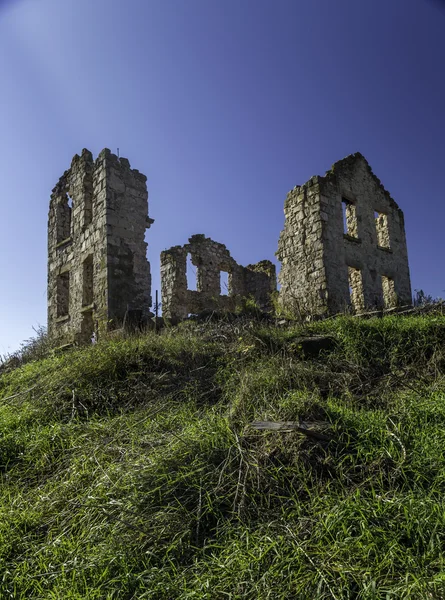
[[129, 278], [209, 259], [343, 243], [98, 272], [343, 246]]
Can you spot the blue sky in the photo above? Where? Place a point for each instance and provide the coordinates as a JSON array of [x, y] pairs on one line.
[[225, 105]]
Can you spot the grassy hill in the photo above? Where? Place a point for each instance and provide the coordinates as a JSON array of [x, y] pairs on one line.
[[128, 469]]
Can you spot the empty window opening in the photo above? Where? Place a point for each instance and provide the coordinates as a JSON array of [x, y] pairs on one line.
[[356, 296], [350, 290], [389, 292], [224, 283], [87, 289], [192, 274], [381, 225], [63, 218], [349, 218], [63, 294]]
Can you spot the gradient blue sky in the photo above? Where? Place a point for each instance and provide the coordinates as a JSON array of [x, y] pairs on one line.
[[224, 105]]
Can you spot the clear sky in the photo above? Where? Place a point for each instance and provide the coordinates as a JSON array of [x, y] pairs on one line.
[[225, 105]]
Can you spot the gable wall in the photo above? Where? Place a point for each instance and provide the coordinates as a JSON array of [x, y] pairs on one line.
[[355, 182], [322, 268]]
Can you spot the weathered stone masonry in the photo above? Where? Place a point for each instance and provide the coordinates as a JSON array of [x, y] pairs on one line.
[[343, 243], [98, 273], [210, 259]]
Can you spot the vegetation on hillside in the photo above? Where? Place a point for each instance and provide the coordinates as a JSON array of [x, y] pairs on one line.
[[129, 468]]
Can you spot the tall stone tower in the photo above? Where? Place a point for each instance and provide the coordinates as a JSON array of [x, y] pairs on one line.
[[98, 273], [343, 243]]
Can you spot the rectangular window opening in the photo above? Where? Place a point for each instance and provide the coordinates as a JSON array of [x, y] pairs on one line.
[[224, 283], [349, 218], [88, 275], [63, 218], [63, 294], [389, 292], [192, 274], [356, 296], [381, 225]]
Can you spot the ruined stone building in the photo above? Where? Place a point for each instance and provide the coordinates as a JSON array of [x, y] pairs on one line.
[[343, 247], [98, 273], [343, 243], [210, 259]]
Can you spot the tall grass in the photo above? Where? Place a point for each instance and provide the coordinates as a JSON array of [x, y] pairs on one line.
[[129, 470]]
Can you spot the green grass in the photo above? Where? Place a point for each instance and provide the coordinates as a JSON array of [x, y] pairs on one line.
[[128, 470]]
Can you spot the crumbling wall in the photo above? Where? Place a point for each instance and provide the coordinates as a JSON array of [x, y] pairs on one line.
[[343, 243], [260, 282], [128, 270], [210, 259], [97, 265], [301, 251]]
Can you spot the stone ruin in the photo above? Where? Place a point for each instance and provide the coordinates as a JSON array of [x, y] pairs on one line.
[[98, 273], [210, 259], [343, 247]]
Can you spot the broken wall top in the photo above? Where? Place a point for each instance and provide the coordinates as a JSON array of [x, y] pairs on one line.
[[344, 168], [86, 161]]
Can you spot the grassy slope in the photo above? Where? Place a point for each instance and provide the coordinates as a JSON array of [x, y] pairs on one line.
[[127, 470]]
